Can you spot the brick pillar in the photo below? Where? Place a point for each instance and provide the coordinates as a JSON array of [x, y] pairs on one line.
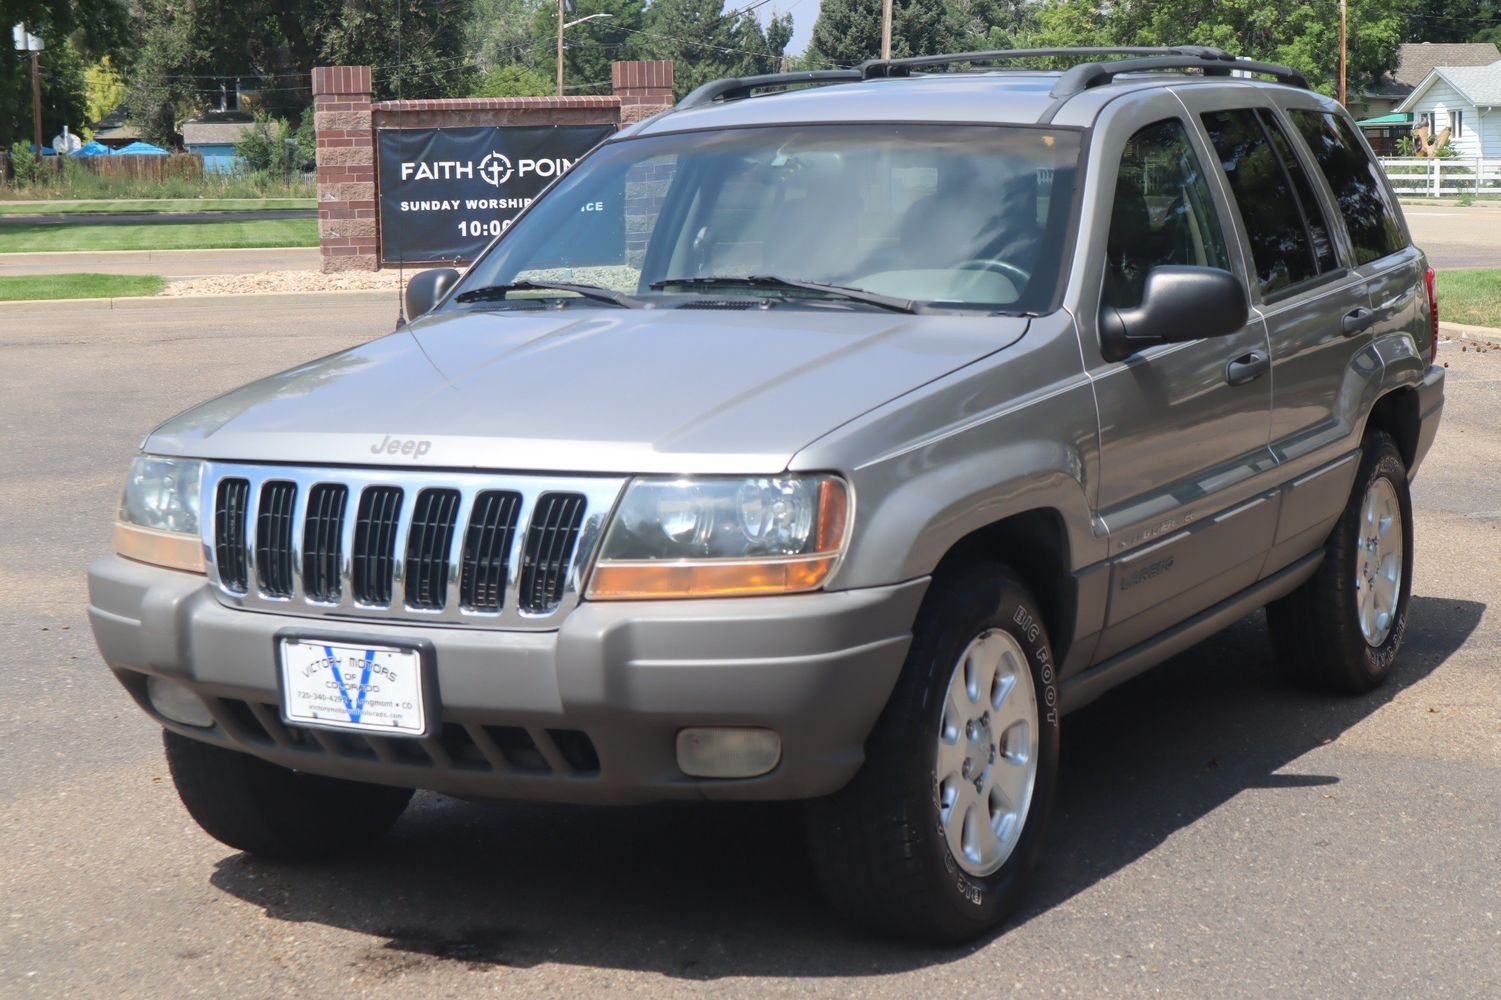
[[644, 87], [348, 227]]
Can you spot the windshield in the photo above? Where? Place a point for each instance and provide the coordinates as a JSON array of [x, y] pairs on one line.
[[961, 216]]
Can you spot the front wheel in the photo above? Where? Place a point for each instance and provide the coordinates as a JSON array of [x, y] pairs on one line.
[[935, 835], [274, 812], [1341, 630]]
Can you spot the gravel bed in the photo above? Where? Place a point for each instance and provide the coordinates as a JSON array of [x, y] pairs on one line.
[[288, 281]]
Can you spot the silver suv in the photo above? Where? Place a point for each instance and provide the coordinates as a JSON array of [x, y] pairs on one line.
[[825, 438]]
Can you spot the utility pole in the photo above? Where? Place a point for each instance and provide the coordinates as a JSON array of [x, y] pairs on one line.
[[568, 6], [1342, 49], [27, 42], [886, 28]]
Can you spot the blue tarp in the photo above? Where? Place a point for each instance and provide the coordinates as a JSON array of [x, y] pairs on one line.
[[92, 149], [140, 149]]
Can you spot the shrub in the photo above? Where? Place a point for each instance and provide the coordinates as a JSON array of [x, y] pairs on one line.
[[26, 166], [263, 146]]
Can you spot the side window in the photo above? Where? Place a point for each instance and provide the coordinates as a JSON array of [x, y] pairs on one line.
[[1163, 213], [1286, 248], [1313, 212], [1355, 180]]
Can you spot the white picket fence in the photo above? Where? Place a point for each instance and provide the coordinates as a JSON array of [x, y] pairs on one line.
[[1434, 176]]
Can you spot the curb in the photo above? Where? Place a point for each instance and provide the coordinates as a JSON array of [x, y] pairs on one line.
[[1461, 331], [98, 253], [150, 301]]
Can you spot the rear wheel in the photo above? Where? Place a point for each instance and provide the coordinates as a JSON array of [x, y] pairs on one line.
[[1342, 629], [274, 812], [935, 835]]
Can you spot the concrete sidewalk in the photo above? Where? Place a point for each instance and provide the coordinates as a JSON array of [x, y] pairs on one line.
[[167, 263]]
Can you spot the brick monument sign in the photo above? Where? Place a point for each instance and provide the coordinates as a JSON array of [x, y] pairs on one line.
[[347, 120]]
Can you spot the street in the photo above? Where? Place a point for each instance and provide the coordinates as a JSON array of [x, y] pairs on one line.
[[1455, 238], [1218, 833]]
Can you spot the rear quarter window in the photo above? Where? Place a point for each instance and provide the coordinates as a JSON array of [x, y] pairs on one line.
[[1355, 179]]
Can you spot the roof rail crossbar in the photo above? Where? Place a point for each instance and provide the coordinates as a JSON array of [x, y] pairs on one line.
[[873, 68], [1086, 75], [734, 88]]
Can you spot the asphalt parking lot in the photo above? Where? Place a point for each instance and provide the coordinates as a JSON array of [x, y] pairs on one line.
[[1218, 834]]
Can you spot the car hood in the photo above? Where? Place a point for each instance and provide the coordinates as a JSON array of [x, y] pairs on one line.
[[588, 389]]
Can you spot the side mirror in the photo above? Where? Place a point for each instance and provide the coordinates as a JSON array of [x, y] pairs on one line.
[[426, 289], [1178, 304]]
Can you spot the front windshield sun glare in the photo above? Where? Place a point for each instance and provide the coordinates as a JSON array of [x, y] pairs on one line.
[[890, 216]]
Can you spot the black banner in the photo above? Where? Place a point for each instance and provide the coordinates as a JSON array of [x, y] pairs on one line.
[[446, 193]]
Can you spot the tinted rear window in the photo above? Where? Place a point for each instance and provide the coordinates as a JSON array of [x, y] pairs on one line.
[[1280, 245], [1353, 176]]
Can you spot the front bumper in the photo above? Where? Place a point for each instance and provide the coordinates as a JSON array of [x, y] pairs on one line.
[[588, 713]]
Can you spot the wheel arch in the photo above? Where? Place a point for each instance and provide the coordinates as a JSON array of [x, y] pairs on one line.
[[1397, 413], [1034, 545]]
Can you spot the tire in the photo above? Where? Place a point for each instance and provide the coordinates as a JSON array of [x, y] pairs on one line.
[[274, 812], [1322, 633], [880, 846]]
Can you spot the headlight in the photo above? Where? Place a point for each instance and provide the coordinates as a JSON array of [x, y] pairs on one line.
[[723, 537], [158, 520]]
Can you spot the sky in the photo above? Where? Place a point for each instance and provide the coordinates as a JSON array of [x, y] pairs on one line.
[[804, 13]]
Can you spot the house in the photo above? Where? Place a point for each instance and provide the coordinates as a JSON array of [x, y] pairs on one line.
[[116, 129], [1466, 100], [1375, 106], [213, 136]]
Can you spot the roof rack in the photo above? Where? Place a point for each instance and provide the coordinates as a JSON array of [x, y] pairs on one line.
[[1080, 78], [737, 87], [874, 68], [1075, 80]]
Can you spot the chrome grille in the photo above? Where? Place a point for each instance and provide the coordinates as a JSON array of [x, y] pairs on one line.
[[322, 541], [273, 538], [505, 552], [487, 543], [229, 532], [375, 544], [427, 549], [549, 548]]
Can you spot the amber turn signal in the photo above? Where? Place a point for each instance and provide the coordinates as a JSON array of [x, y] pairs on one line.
[[647, 579], [160, 548]]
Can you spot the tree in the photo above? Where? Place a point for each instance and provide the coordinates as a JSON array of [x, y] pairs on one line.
[[104, 89], [188, 48], [848, 32], [503, 33], [1454, 21], [1303, 34], [76, 32], [589, 47], [514, 80], [705, 43]]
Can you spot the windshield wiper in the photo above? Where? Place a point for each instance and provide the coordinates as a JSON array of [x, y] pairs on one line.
[[597, 293], [772, 281]]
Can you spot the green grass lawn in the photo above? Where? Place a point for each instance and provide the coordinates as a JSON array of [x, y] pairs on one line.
[[162, 206], [28, 237], [1472, 297], [78, 286]]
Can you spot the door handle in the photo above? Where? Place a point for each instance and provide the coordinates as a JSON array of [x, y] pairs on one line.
[[1358, 321], [1247, 368]]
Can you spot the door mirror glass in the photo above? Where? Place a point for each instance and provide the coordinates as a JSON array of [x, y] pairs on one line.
[[1177, 304], [426, 289]]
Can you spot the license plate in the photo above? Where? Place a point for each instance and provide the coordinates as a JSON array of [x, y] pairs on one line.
[[366, 688]]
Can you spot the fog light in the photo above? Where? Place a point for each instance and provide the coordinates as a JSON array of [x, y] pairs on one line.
[[728, 753], [174, 701]]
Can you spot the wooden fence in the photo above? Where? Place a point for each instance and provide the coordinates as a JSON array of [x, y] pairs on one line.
[[1438, 176], [140, 168]]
